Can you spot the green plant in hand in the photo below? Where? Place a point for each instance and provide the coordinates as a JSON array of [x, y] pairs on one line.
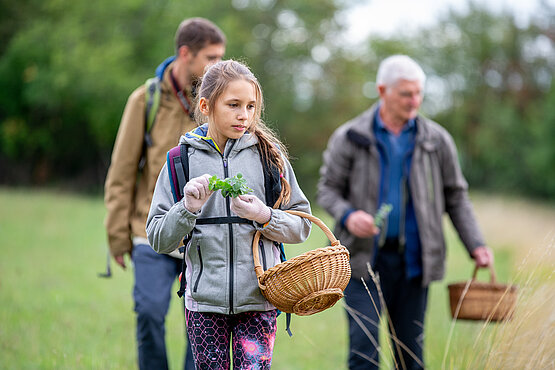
[[232, 186], [382, 214]]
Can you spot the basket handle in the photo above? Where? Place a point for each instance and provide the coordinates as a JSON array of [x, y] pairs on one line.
[[258, 267], [491, 273]]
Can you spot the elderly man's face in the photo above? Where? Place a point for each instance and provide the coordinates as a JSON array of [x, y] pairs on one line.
[[402, 100]]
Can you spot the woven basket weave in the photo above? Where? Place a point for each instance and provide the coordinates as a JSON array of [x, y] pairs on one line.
[[309, 283], [475, 300]]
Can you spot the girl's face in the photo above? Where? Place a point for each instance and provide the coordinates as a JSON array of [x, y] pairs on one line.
[[233, 112]]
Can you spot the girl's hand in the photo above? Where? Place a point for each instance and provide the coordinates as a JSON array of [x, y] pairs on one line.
[[250, 207], [196, 193]]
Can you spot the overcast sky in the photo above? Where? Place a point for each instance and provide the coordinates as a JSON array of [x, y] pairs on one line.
[[387, 16]]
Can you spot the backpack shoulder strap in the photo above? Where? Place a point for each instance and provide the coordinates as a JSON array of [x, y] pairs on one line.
[[272, 183], [178, 169], [152, 103]]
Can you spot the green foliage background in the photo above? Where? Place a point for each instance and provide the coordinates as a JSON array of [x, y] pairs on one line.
[[67, 68]]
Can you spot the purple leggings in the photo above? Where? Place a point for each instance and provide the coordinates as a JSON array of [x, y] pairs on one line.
[[253, 336]]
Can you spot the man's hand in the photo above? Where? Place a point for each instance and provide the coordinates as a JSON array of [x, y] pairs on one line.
[[483, 256], [361, 224], [120, 260]]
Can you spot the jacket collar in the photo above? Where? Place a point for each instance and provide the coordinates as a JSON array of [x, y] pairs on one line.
[[198, 138], [361, 131]]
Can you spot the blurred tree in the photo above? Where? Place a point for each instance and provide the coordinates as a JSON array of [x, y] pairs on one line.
[[490, 81], [67, 67], [490, 84]]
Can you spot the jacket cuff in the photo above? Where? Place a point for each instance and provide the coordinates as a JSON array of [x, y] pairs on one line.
[[345, 216], [183, 211], [119, 247], [263, 226]]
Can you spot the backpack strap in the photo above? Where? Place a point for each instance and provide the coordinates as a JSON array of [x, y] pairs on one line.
[[178, 170], [272, 183], [272, 189], [182, 280], [152, 103]]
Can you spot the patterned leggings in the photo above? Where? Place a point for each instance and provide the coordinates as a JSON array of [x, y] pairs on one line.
[[253, 336]]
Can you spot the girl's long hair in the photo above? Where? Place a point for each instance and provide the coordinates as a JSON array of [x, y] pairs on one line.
[[214, 82]]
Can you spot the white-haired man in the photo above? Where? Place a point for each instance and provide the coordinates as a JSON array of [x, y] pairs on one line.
[[392, 155]]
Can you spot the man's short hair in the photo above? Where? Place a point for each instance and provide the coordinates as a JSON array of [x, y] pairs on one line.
[[197, 33], [399, 67]]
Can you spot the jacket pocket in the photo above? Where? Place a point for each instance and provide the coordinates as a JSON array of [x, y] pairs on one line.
[[200, 269]]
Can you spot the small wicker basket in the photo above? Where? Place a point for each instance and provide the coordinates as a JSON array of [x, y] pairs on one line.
[[308, 283], [475, 300]]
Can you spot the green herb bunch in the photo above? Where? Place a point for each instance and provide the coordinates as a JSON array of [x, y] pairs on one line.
[[232, 186], [382, 214]]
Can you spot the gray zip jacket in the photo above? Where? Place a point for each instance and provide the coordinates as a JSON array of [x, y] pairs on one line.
[[220, 270], [350, 178]]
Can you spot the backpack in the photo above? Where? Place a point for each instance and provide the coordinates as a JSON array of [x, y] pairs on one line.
[[178, 170], [153, 92]]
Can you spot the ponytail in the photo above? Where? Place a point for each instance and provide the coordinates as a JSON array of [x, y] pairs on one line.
[[274, 152]]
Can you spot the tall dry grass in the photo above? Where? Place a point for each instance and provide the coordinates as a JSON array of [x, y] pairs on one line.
[[527, 341]]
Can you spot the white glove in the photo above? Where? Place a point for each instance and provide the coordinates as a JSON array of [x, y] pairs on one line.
[[251, 208], [196, 193]]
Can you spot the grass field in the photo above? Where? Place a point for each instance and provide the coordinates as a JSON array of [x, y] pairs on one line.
[[56, 313]]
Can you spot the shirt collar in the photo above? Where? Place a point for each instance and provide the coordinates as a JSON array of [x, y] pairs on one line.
[[409, 126]]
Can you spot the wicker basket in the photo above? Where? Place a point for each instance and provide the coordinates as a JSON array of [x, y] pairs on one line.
[[474, 300], [309, 283]]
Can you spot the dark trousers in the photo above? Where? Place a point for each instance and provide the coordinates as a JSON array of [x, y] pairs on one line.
[[405, 302], [154, 276]]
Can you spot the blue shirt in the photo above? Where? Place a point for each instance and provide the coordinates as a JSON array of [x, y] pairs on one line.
[[395, 161]]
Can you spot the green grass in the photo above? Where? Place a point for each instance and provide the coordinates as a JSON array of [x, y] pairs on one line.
[[56, 313]]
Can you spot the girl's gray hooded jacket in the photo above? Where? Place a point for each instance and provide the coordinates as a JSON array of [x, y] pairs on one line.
[[220, 270]]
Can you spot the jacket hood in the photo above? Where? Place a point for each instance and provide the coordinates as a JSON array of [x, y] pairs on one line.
[[198, 138]]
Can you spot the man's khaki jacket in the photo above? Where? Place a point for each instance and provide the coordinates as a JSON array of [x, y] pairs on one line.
[[128, 191]]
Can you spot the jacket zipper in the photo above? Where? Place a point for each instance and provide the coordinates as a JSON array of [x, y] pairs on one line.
[[201, 268], [230, 229]]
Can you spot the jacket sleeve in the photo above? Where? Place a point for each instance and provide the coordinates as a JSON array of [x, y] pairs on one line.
[[168, 222], [285, 227], [335, 174], [457, 202], [119, 188]]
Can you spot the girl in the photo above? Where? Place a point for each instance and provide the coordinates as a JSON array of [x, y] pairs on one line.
[[223, 299]]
